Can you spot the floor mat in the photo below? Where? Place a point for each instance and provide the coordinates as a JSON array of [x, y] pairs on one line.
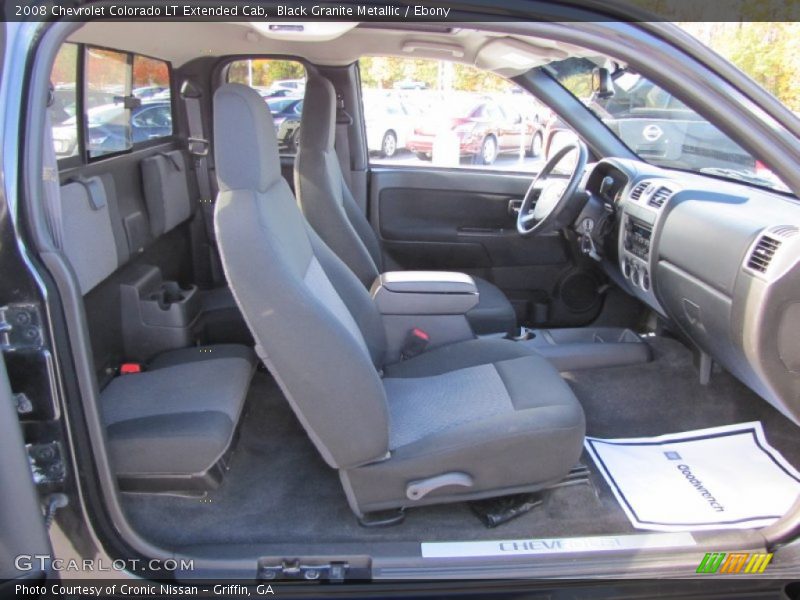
[[725, 477]]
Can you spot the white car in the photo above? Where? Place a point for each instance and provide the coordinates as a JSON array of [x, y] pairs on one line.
[[389, 122]]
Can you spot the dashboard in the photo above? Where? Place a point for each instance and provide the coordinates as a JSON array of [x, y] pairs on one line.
[[719, 260]]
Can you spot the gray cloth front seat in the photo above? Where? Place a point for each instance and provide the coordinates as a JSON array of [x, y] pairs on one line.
[[328, 205], [470, 420]]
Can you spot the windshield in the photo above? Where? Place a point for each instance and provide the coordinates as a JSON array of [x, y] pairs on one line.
[[657, 126]]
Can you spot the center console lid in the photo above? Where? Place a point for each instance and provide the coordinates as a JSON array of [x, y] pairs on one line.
[[424, 293]]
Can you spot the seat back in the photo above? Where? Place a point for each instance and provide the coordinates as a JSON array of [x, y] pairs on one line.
[[87, 231], [314, 324], [321, 190], [166, 191]]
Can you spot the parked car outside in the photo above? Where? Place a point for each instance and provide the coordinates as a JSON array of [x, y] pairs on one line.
[[65, 102], [557, 134], [109, 129], [484, 130], [149, 91], [294, 86], [659, 127], [389, 121], [524, 109], [286, 113], [656, 125], [277, 93]]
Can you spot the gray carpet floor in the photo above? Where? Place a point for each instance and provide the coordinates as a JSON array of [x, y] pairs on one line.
[[279, 490]]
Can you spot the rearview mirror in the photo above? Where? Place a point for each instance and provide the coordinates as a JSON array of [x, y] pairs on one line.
[[602, 85]]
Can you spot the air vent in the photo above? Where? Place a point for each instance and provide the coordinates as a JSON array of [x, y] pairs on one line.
[[659, 197], [637, 192], [762, 253]]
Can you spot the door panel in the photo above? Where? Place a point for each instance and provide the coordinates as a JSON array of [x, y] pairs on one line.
[[448, 219], [459, 219]]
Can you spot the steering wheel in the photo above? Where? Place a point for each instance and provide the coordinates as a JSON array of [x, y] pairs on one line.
[[542, 215]]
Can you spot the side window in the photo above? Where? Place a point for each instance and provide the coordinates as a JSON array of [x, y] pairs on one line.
[[108, 119], [449, 115], [152, 119], [64, 79], [150, 79], [127, 101], [281, 84]]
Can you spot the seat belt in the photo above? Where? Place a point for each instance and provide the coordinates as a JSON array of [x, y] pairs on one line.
[[355, 181], [342, 141], [198, 147]]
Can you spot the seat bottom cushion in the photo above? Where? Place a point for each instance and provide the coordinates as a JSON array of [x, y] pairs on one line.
[[494, 313], [179, 417], [510, 425], [195, 354]]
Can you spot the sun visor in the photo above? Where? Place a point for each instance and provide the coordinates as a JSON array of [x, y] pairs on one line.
[[509, 56]]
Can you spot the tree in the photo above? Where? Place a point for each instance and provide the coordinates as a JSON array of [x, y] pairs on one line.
[[148, 71], [384, 72], [769, 52], [66, 65]]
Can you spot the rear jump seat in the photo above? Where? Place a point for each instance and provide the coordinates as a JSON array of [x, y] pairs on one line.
[[170, 427]]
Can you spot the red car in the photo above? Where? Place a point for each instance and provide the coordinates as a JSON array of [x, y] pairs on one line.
[[484, 130]]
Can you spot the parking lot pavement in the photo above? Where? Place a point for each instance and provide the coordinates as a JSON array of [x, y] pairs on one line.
[[504, 162]]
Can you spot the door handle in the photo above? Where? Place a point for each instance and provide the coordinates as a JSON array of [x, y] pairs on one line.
[[514, 207]]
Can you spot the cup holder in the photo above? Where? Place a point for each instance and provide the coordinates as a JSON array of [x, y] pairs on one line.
[[168, 304], [170, 293], [157, 315]]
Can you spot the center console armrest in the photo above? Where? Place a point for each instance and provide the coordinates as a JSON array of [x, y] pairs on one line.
[[424, 293]]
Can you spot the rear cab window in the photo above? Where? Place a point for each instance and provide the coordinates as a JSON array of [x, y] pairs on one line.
[[64, 101], [282, 84], [126, 101], [108, 118]]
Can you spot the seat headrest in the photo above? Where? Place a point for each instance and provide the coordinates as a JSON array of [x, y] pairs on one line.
[[318, 124], [245, 144]]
